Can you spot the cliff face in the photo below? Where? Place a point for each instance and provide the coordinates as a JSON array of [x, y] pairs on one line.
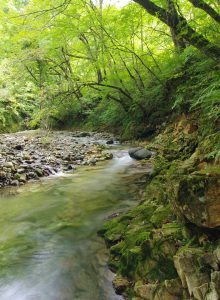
[[168, 247]]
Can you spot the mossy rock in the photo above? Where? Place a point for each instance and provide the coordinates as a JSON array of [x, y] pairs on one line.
[[198, 199], [211, 171], [144, 210], [161, 214], [209, 147], [117, 248], [164, 269], [172, 229], [113, 230], [129, 261], [156, 192], [121, 284]]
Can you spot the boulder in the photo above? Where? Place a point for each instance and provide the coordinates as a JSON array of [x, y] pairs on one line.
[[198, 199], [140, 153]]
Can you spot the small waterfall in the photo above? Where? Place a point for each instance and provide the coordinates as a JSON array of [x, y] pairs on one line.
[[120, 164]]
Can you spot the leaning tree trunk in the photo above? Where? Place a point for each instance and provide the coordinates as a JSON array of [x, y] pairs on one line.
[[182, 29]]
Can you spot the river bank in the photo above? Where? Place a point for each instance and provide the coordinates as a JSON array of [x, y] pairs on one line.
[[29, 155], [168, 247]]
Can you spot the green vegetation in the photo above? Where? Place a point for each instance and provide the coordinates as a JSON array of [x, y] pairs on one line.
[[127, 69], [146, 69], [172, 236]]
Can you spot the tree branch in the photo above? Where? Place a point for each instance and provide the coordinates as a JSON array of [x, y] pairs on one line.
[[40, 12], [207, 8], [182, 29]]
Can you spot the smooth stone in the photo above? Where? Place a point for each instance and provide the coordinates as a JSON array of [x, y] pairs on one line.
[[15, 182], [140, 153], [23, 178], [8, 164], [2, 174]]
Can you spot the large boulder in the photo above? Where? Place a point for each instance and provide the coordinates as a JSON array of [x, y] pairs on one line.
[[198, 200], [140, 153]]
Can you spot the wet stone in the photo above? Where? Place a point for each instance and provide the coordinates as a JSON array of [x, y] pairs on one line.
[[30, 155]]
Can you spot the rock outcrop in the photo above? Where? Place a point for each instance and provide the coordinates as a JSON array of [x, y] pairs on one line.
[[192, 266], [168, 247]]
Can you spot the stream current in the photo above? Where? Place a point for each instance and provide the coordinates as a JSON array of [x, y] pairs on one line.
[[49, 248]]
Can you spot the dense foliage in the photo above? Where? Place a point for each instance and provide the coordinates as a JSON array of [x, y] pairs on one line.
[[82, 63]]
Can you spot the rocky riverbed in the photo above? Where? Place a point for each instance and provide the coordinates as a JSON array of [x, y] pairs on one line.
[[30, 155]]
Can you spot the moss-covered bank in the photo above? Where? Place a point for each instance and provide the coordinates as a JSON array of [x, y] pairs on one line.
[[168, 247]]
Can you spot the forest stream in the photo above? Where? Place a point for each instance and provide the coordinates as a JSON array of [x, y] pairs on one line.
[[48, 231]]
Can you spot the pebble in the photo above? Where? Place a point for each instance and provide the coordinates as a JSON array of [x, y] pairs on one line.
[[30, 155]]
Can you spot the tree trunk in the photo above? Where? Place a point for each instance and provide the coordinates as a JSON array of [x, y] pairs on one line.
[[182, 29], [178, 41]]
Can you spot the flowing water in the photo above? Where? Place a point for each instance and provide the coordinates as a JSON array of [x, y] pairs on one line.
[[49, 248]]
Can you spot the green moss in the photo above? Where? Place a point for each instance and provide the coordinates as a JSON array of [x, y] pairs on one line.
[[152, 233], [116, 232], [114, 263], [209, 148], [161, 215], [114, 229], [192, 188], [173, 229], [117, 248], [163, 270], [142, 238], [160, 164], [144, 210], [129, 261], [213, 170]]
